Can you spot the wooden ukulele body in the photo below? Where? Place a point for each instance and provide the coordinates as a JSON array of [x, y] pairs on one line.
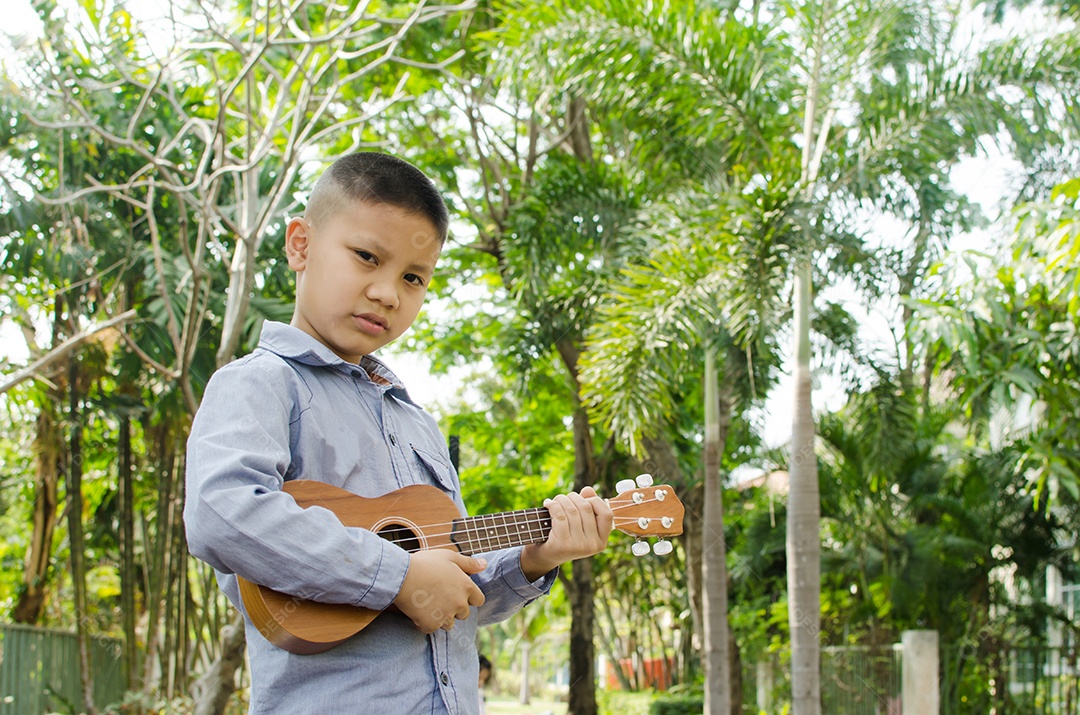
[[307, 627], [417, 518]]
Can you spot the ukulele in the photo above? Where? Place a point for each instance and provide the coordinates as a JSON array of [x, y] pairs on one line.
[[422, 517]]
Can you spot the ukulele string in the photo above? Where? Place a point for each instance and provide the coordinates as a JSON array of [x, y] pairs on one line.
[[536, 520]]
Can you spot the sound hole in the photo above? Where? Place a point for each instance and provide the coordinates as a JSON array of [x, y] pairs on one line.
[[401, 535]]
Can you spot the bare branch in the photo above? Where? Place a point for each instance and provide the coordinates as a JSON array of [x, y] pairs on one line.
[[61, 351]]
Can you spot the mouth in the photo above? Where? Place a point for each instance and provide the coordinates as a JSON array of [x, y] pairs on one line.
[[371, 323]]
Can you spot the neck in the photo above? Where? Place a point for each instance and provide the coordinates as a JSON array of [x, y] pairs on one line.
[[479, 534]]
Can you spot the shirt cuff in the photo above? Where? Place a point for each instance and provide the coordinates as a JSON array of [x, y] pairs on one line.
[[389, 576], [515, 580]]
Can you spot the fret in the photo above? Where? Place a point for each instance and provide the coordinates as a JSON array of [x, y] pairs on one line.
[[502, 531], [491, 532], [475, 540]]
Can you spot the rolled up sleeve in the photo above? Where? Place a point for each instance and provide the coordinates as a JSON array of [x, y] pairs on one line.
[[240, 521], [506, 589]]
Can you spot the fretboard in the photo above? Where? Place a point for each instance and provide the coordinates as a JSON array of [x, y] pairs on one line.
[[477, 534]]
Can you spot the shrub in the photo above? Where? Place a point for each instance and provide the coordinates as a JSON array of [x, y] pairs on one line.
[[678, 705]]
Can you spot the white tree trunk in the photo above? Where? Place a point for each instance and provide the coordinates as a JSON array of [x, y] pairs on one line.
[[714, 555], [803, 522], [526, 656]]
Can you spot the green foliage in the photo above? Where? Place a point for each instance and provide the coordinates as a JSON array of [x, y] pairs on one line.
[[129, 178], [1011, 332], [677, 705], [619, 702]]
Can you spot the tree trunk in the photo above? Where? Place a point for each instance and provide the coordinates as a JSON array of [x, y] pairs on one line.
[[663, 464], [735, 659], [47, 446], [714, 554], [241, 270], [77, 547], [582, 695], [526, 656], [211, 692], [578, 128], [803, 522], [127, 554], [159, 562]]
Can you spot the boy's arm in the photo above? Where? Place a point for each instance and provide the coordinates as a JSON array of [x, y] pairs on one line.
[[239, 521]]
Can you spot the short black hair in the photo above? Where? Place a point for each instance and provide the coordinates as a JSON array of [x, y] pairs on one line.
[[375, 177]]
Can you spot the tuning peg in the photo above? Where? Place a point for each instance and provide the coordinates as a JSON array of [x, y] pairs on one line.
[[640, 548], [624, 485], [644, 480], [662, 547]]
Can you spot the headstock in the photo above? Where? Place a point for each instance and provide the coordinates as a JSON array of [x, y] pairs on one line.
[[643, 509]]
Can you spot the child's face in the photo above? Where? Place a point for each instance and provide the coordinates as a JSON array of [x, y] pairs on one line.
[[361, 276]]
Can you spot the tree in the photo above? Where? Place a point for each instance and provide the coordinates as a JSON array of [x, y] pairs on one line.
[[666, 308], [855, 133], [1011, 334]]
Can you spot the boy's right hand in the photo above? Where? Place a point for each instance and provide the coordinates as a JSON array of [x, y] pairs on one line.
[[437, 589]]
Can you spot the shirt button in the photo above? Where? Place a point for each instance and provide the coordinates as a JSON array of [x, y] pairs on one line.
[[445, 679]]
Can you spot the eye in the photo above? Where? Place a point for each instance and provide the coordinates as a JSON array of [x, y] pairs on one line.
[[365, 256], [414, 279]]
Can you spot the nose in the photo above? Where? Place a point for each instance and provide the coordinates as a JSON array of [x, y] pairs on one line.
[[383, 290]]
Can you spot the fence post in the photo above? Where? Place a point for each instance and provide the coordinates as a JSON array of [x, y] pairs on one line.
[[921, 694]]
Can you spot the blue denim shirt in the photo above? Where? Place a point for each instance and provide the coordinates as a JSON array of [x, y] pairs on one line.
[[293, 409]]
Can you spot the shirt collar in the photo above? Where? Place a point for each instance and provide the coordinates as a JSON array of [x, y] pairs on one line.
[[294, 344]]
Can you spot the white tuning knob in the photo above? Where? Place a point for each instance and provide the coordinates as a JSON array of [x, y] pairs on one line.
[[625, 485], [662, 548], [640, 548], [644, 480]]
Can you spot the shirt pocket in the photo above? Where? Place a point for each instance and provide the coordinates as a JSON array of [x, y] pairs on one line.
[[440, 470]]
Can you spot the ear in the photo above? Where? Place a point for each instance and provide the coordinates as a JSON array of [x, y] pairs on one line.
[[297, 238]]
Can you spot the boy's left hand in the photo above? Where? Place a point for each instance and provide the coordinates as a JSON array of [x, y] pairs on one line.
[[580, 525]]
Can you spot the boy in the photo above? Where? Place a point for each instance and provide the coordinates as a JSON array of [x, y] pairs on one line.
[[312, 402]]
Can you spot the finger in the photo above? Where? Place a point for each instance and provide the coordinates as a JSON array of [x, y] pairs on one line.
[[582, 512], [565, 518], [468, 564], [602, 514], [595, 519]]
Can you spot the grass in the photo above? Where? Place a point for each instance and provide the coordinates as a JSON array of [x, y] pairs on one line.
[[611, 703], [500, 705]]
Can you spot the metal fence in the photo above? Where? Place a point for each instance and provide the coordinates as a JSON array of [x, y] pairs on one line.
[[1016, 680], [857, 680], [39, 671], [861, 680]]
